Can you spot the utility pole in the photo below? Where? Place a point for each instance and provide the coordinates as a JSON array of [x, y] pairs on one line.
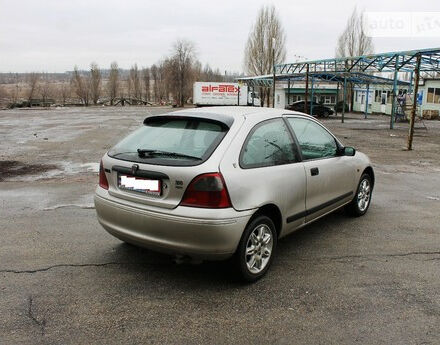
[[414, 105], [337, 99], [238, 95], [343, 98], [273, 63], [366, 101], [307, 89], [393, 105]]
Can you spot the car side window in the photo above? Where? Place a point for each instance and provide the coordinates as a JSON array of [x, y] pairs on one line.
[[269, 143], [314, 140]]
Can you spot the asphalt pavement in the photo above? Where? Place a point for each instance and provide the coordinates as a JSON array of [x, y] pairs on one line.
[[341, 280]]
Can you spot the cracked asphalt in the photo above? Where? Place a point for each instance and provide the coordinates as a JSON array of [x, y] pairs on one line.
[[341, 280]]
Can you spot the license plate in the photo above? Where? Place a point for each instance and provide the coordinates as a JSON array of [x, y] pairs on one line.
[[140, 184]]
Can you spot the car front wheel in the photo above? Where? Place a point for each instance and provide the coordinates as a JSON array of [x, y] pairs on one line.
[[256, 249], [361, 201]]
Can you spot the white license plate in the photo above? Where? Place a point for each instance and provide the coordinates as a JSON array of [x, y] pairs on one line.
[[139, 184]]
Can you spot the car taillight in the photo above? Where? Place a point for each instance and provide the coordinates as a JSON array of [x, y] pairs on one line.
[[207, 190], [102, 178]]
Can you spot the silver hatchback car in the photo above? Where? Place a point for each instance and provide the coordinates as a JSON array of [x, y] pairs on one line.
[[220, 182]]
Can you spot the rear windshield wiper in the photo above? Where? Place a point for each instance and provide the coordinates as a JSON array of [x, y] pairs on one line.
[[145, 153]]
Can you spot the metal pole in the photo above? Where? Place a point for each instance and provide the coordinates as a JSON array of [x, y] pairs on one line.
[[253, 94], [393, 105], [307, 89], [343, 98], [238, 99], [337, 99], [273, 62], [414, 105], [288, 91], [366, 101], [311, 101]]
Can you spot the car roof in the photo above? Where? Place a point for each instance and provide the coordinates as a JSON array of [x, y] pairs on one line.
[[227, 114]]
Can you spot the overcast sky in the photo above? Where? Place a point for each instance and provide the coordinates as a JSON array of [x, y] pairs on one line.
[[54, 35]]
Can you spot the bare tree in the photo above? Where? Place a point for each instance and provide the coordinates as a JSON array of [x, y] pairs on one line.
[[46, 87], [163, 87], [113, 82], [16, 91], [4, 95], [260, 53], [124, 90], [146, 83], [353, 41], [95, 82], [129, 86], [154, 75], [159, 81], [180, 69], [81, 85], [170, 72], [197, 71], [207, 73], [32, 80], [64, 92], [135, 85]]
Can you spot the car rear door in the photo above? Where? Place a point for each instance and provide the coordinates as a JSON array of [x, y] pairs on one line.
[[329, 176]]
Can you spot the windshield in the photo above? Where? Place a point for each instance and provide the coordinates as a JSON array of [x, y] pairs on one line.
[[171, 141]]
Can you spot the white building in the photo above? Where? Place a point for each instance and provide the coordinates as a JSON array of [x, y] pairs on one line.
[[380, 97], [324, 93], [431, 94]]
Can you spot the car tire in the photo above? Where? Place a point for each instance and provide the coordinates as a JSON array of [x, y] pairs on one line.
[[362, 199], [256, 249], [326, 114]]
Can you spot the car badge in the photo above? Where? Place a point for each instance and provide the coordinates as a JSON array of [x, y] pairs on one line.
[[134, 168]]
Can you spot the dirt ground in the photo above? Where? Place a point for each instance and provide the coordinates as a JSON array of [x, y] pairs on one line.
[[386, 147], [64, 280]]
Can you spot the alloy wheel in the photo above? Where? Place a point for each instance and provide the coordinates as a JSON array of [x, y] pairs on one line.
[[364, 193], [259, 248]]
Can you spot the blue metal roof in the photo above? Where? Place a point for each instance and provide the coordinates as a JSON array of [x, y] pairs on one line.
[[359, 70], [403, 61]]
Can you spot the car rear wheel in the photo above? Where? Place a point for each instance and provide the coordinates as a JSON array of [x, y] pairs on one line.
[[361, 201], [256, 249]]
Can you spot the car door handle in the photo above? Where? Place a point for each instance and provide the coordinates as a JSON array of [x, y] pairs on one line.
[[314, 171]]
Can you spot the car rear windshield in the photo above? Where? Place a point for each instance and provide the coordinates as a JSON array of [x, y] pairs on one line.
[[166, 140]]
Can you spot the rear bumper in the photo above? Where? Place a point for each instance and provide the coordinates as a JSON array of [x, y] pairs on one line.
[[183, 230]]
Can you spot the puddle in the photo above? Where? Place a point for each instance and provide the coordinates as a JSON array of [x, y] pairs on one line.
[[11, 169], [15, 171], [92, 167]]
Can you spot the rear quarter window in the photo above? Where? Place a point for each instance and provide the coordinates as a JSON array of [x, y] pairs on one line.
[[269, 143]]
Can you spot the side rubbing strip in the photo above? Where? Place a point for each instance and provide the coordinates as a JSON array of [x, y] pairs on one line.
[[318, 208], [296, 217]]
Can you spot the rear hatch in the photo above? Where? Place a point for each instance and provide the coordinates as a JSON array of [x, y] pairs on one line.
[[155, 164]]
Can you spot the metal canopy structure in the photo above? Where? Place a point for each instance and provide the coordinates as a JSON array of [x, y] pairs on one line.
[[356, 78], [403, 61], [357, 70]]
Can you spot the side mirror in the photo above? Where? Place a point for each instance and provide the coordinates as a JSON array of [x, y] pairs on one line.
[[348, 151]]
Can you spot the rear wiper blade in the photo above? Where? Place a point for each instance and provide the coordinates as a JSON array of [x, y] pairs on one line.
[[147, 152]]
